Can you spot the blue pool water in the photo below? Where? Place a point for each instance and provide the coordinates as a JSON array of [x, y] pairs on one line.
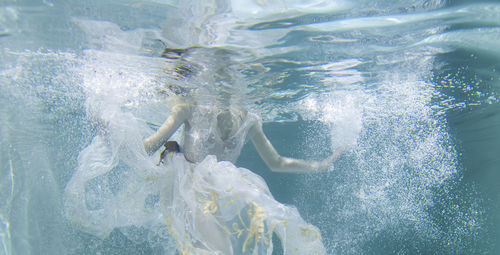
[[410, 87]]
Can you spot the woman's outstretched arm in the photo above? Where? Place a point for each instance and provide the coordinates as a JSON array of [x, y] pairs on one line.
[[282, 164], [178, 115]]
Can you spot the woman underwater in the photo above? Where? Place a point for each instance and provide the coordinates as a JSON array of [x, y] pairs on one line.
[[208, 204]]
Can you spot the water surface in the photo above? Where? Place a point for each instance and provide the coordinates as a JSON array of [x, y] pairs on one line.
[[410, 86]]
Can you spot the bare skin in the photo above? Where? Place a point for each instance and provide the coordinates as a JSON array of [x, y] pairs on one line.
[[277, 163], [216, 237]]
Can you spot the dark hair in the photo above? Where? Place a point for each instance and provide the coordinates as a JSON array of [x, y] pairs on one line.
[[183, 69], [172, 53]]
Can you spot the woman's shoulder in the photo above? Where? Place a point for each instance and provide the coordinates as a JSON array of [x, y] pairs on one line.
[[181, 105], [252, 116], [180, 101], [252, 120]]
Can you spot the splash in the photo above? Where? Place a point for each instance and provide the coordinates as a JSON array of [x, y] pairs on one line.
[[372, 94], [400, 152]]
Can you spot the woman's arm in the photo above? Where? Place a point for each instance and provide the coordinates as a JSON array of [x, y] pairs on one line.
[[178, 115], [282, 164]]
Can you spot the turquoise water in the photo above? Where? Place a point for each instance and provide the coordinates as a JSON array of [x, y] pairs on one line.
[[410, 86]]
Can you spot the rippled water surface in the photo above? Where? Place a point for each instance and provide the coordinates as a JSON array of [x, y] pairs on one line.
[[410, 87]]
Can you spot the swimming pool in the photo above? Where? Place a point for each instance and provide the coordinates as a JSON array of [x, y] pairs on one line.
[[410, 86]]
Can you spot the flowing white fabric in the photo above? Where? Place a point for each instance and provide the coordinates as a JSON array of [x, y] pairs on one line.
[[216, 208], [208, 207], [208, 133]]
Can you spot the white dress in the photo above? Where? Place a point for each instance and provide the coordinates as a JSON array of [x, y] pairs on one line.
[[209, 207]]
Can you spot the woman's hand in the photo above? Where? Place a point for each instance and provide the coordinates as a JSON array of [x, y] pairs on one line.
[[278, 163], [326, 163]]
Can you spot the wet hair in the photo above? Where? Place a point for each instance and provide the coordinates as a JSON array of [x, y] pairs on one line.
[[214, 63], [184, 70], [172, 53]]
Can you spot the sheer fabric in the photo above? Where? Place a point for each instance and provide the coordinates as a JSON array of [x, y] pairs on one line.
[[213, 132], [208, 207], [216, 208]]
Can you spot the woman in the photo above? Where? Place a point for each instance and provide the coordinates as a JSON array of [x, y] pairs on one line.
[[208, 204], [228, 210], [224, 137]]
